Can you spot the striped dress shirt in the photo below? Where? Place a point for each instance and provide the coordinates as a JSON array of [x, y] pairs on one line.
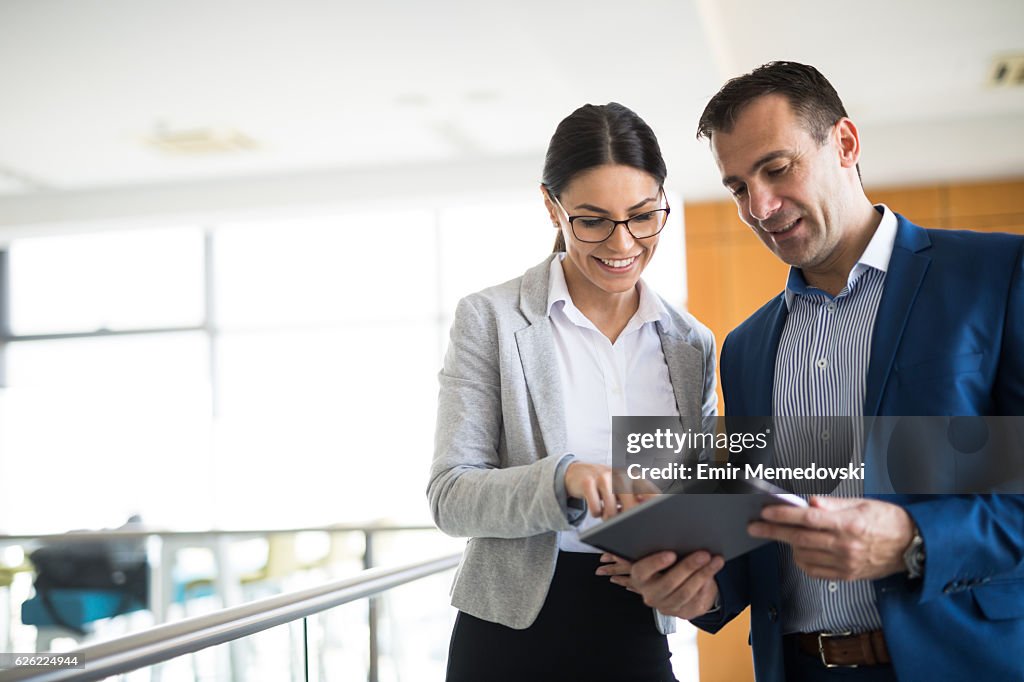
[[818, 400]]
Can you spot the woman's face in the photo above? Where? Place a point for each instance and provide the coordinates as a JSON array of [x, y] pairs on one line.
[[610, 191]]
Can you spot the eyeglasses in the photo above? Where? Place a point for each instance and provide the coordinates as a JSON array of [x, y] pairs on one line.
[[595, 229]]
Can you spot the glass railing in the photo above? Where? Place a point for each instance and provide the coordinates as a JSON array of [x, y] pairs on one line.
[[305, 634], [196, 573], [400, 632]]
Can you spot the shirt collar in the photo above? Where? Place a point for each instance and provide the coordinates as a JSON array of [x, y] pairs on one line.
[[876, 255], [651, 309]]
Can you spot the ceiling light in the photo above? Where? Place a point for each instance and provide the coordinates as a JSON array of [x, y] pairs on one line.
[[200, 141], [1007, 71]]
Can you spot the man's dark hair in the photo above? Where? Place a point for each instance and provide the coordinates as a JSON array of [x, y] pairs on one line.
[[595, 135], [810, 95]]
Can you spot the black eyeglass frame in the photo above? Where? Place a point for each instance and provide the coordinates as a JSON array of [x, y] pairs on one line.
[[625, 223]]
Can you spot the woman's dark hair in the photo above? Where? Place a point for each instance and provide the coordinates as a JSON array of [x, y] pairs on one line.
[[595, 135]]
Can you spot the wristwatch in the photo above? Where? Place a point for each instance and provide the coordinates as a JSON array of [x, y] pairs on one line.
[[913, 555]]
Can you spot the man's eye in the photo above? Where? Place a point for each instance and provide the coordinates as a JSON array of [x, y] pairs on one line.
[[778, 171], [739, 191]]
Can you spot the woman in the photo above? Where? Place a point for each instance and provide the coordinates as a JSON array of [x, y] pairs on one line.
[[535, 370]]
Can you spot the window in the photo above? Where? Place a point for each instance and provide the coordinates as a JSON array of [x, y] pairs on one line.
[[115, 281], [304, 394]]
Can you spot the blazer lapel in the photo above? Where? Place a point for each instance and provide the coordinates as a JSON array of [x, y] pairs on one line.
[[752, 411], [903, 278], [760, 369], [685, 370], [537, 353]]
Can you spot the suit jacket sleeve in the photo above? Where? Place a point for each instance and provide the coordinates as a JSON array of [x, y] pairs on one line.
[[968, 540], [1009, 389], [974, 538], [471, 492]]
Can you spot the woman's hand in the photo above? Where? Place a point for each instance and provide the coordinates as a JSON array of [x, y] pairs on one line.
[[593, 483], [617, 569], [597, 483]]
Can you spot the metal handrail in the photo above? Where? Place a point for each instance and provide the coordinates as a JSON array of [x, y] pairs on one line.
[[164, 642], [143, 532]]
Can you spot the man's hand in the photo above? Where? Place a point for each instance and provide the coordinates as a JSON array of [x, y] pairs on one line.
[[840, 538], [686, 589]]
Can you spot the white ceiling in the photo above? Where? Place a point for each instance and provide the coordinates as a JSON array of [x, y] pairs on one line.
[[337, 91]]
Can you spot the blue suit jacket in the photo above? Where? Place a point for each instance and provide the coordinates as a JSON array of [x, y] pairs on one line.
[[948, 340]]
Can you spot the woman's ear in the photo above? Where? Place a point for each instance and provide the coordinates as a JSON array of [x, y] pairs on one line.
[[553, 212]]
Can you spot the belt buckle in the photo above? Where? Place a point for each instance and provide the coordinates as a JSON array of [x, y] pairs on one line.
[[821, 648]]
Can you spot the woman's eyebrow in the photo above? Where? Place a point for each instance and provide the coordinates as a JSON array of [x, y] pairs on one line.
[[598, 209]]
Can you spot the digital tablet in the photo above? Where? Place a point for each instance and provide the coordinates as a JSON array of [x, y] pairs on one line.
[[690, 521]]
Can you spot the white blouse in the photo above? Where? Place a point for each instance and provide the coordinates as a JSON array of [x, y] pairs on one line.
[[601, 379]]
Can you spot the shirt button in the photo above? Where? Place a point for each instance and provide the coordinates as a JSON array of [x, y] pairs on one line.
[[822, 363], [825, 435], [832, 587], [831, 307]]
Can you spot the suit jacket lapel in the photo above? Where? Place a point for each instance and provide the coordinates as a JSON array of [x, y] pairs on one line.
[[537, 353], [903, 278], [761, 368]]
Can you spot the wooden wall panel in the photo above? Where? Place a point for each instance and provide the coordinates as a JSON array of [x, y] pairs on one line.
[[986, 199], [758, 277], [709, 278], [921, 205], [702, 221], [725, 656]]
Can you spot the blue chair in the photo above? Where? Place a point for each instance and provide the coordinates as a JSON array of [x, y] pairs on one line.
[[77, 607]]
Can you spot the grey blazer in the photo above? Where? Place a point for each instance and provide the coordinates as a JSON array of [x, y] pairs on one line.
[[501, 436]]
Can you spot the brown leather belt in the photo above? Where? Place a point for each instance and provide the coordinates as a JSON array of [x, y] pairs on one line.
[[837, 649]]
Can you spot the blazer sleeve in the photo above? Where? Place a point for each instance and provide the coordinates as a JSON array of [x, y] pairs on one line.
[[471, 492], [972, 539], [1009, 388], [969, 540]]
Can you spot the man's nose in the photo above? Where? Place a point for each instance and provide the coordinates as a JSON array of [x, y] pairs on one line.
[[763, 203]]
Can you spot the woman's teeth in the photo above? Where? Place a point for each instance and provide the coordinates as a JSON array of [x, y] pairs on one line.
[[617, 263]]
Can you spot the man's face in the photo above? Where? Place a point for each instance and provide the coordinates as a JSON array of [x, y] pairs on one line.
[[789, 189]]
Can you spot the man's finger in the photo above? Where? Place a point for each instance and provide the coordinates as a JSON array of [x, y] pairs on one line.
[[673, 586], [834, 503], [646, 568], [819, 557], [820, 571], [808, 517], [706, 596], [792, 535], [688, 590]]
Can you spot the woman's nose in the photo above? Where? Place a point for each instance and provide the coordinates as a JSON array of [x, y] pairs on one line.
[[621, 239]]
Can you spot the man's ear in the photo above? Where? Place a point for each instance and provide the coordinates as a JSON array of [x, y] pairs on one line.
[[847, 142]]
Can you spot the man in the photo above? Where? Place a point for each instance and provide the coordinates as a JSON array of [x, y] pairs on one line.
[[879, 318]]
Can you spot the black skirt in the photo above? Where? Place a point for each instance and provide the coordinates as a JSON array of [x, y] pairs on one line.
[[588, 629]]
